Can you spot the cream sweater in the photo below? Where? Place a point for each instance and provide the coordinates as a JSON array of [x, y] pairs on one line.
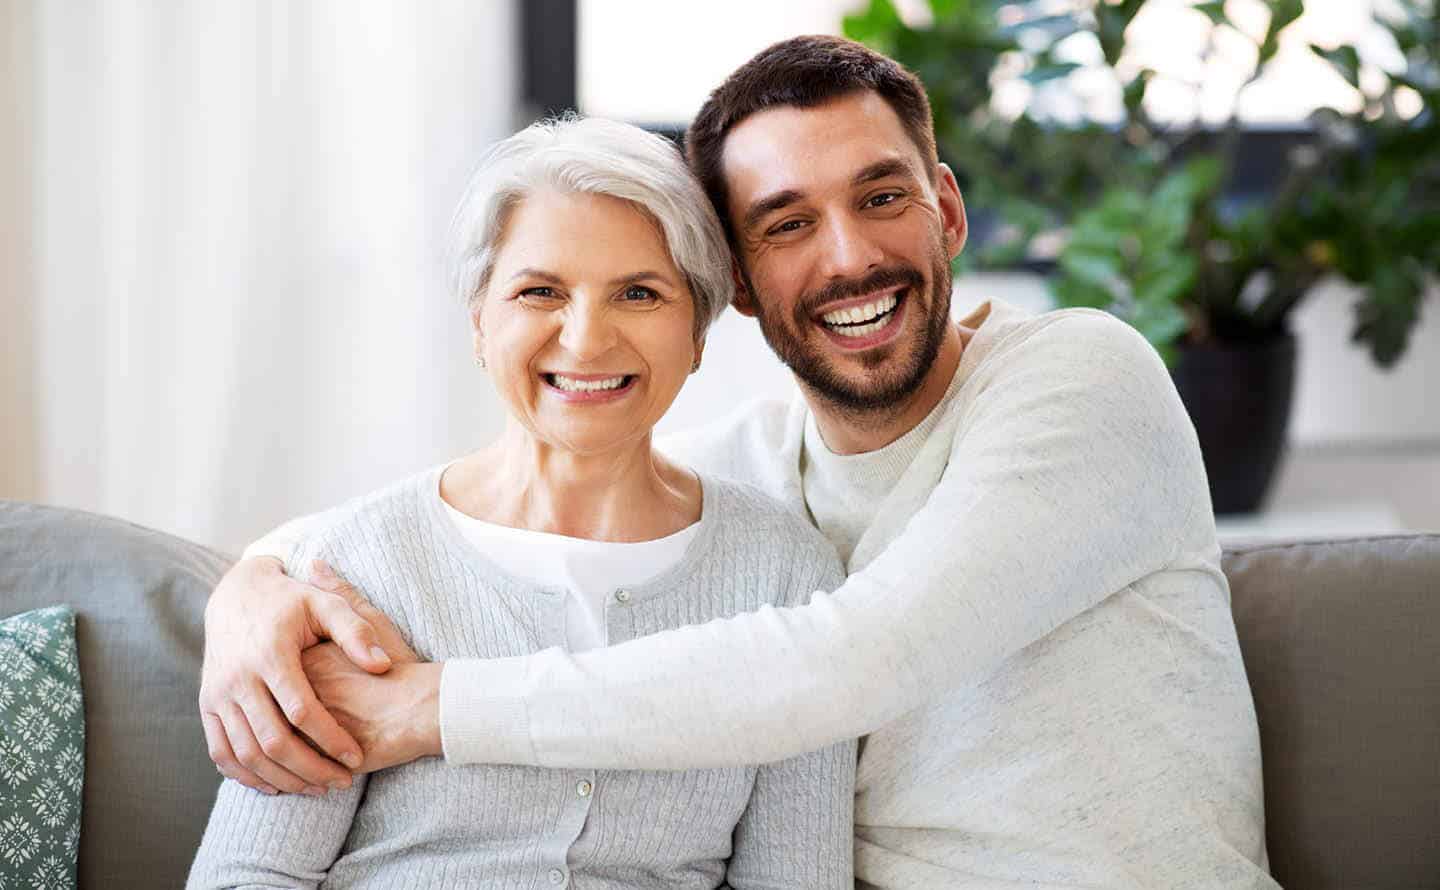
[[1038, 642]]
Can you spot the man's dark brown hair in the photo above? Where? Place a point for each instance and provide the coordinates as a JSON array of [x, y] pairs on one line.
[[802, 72]]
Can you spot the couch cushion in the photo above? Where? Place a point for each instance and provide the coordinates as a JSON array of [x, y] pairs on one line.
[[42, 749], [139, 598], [1340, 643]]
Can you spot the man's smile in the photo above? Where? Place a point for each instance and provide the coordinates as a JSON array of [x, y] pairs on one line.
[[866, 321]]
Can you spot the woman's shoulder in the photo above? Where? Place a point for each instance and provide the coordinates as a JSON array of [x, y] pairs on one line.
[[760, 530], [391, 513]]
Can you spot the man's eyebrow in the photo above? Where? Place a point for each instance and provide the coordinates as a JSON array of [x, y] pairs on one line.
[[768, 205], [882, 170]]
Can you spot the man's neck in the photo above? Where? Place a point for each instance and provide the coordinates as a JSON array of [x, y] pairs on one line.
[[846, 432]]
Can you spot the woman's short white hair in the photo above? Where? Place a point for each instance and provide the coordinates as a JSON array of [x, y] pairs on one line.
[[592, 155]]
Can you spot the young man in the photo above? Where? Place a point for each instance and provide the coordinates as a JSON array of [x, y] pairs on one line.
[[1035, 635]]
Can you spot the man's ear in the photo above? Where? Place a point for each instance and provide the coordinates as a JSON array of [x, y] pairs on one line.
[[952, 211], [744, 301]]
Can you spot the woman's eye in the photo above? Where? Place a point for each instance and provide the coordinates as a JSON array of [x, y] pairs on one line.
[[538, 292], [638, 293]]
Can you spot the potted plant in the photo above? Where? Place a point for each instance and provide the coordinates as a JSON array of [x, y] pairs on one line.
[[1153, 224]]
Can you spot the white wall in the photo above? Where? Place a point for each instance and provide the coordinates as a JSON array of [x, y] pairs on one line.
[[237, 214]]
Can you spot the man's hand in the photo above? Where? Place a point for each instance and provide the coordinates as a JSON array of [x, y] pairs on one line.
[[395, 717], [253, 690]]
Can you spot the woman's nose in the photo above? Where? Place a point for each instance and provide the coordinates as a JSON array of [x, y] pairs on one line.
[[588, 332]]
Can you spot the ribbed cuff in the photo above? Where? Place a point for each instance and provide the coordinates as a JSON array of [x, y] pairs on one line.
[[483, 717]]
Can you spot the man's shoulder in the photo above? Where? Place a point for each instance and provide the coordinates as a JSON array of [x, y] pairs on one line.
[[741, 445], [1032, 337], [1073, 350]]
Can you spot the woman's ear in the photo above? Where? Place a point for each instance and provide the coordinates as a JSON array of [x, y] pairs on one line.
[[699, 352], [744, 301], [477, 333]]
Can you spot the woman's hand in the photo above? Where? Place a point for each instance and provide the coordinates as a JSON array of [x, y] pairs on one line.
[[253, 690], [395, 717]]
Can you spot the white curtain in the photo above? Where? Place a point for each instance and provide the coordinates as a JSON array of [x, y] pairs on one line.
[[221, 269]]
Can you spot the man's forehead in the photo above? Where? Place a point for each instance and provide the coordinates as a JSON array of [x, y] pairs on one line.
[[805, 149]]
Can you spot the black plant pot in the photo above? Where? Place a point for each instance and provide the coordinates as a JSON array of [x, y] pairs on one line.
[[1238, 395]]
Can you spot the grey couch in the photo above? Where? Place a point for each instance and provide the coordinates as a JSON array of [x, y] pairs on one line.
[[1341, 640]]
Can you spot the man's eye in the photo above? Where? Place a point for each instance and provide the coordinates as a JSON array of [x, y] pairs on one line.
[[788, 226], [638, 293], [882, 199]]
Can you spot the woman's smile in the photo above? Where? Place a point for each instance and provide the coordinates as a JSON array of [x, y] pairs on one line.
[[588, 389]]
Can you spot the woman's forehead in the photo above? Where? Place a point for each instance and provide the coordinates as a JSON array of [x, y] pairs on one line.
[[587, 234]]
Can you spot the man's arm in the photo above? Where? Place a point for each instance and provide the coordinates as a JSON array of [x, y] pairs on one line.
[[1077, 475], [253, 693]]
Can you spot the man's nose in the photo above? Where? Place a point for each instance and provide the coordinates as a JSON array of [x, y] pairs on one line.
[[849, 251], [589, 330]]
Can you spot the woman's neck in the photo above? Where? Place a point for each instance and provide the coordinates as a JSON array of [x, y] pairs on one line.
[[629, 493]]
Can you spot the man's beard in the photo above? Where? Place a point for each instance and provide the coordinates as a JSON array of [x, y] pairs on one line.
[[898, 377]]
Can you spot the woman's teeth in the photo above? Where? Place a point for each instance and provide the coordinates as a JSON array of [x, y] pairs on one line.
[[858, 321], [570, 384]]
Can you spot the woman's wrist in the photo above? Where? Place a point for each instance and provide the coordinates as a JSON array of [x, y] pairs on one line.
[[421, 734]]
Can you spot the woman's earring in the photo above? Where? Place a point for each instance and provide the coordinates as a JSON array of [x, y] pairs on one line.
[[695, 367], [480, 360]]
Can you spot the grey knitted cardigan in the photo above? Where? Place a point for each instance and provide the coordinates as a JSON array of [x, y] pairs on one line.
[[429, 824]]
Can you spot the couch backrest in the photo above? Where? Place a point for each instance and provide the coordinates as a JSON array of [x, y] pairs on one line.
[[139, 598], [1342, 645], [1341, 641]]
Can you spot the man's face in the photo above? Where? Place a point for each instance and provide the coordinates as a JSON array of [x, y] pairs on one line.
[[844, 246]]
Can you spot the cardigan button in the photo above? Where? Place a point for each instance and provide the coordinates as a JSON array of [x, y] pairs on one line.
[[583, 788], [622, 596], [557, 876]]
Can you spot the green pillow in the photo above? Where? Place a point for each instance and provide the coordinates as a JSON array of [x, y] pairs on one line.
[[42, 749]]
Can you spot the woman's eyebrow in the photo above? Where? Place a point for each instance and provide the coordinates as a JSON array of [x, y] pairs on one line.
[[647, 275], [531, 272]]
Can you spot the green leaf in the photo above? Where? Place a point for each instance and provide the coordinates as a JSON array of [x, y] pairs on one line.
[[1282, 14], [876, 25], [1135, 91], [1387, 313], [1042, 73], [1161, 323], [1072, 293], [1215, 9], [1169, 283], [1345, 59], [944, 10], [1096, 269]]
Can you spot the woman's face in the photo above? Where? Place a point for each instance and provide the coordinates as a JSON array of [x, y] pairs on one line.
[[587, 326]]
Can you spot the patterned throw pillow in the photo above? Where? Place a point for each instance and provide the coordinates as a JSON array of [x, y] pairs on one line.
[[42, 750]]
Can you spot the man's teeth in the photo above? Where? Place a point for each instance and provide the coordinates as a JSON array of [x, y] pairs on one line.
[[862, 330], [570, 384], [857, 320]]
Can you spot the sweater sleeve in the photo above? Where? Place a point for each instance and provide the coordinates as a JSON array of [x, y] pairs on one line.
[[284, 840], [797, 831], [281, 542], [1075, 473]]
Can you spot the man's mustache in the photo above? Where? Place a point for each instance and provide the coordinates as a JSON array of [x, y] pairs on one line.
[[880, 279]]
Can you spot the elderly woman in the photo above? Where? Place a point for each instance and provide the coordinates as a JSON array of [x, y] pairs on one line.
[[592, 265]]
